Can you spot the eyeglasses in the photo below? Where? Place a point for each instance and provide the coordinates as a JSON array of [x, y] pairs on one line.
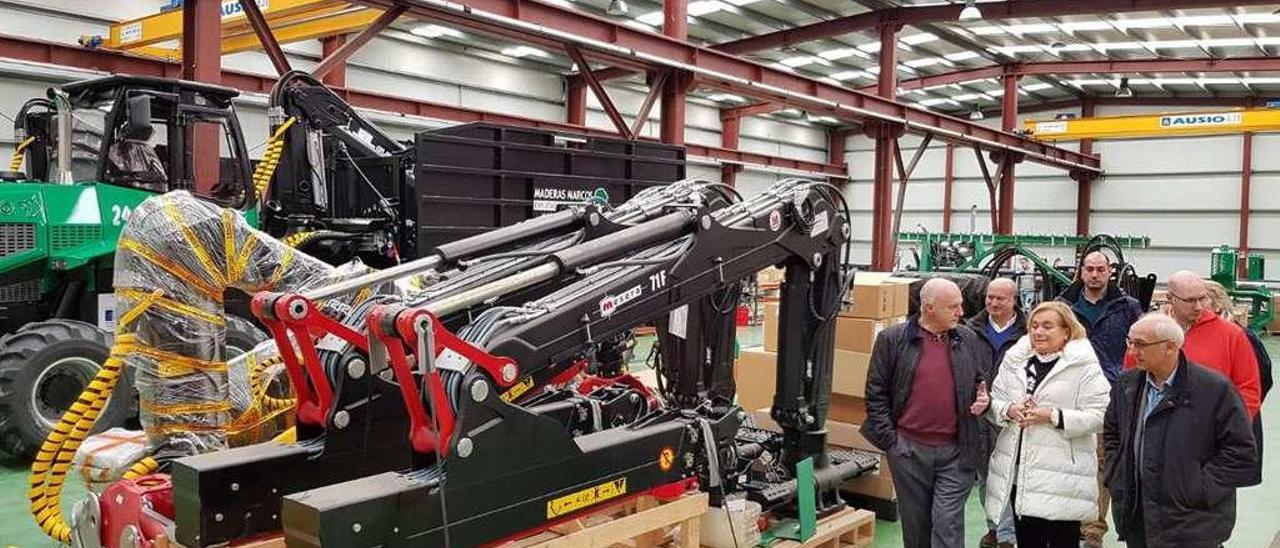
[[1142, 344], [1201, 299]]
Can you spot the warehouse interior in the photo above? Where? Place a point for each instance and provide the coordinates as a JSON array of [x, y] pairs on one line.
[[936, 134]]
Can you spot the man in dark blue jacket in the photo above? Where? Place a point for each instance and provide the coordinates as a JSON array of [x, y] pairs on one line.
[[1107, 314]]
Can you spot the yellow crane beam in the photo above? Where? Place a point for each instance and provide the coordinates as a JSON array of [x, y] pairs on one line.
[[290, 21], [1155, 125]]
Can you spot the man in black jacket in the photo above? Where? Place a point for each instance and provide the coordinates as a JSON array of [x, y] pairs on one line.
[[1001, 324], [1178, 445], [925, 391], [1107, 314]]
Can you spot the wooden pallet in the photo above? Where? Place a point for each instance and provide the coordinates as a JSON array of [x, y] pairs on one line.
[[644, 522], [848, 528]]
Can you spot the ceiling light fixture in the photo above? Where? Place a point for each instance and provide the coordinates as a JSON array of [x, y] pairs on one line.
[[1124, 90], [617, 8], [970, 11], [976, 114]]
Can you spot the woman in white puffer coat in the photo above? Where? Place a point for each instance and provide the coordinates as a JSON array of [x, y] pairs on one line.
[[1050, 397]]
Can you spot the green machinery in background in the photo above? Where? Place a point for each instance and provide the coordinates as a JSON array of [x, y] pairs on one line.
[[1222, 269]]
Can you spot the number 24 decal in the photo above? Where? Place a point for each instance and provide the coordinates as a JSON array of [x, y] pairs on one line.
[[120, 215]]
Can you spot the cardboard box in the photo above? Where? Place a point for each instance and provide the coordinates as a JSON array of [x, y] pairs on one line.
[[878, 296], [755, 374], [857, 334]]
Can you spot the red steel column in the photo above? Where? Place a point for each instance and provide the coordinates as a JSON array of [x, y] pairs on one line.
[[337, 76], [836, 140], [730, 127], [575, 108], [1246, 181], [948, 184], [202, 62], [1084, 184], [1008, 122], [675, 24], [886, 142]]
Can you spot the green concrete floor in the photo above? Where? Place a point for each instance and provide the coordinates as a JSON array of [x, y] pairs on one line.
[[1256, 524]]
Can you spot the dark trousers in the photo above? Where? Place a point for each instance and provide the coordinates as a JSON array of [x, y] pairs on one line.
[[1036, 532], [932, 488]]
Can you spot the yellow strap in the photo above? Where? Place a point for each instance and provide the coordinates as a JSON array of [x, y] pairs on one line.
[[20, 154], [215, 274], [185, 408], [172, 306], [270, 158], [229, 245], [174, 269], [144, 303], [281, 268], [172, 364]]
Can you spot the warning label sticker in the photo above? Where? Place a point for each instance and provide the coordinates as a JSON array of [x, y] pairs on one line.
[[587, 497]]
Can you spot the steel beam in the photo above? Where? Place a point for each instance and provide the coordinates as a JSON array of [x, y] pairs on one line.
[[1008, 121], [38, 51], [837, 140], [748, 110], [730, 129], [606, 102], [336, 77], [1084, 183], [343, 53], [991, 11], [552, 25], [1246, 184], [675, 25], [202, 62], [1119, 66], [886, 151], [575, 106], [656, 84], [948, 186], [263, 30]]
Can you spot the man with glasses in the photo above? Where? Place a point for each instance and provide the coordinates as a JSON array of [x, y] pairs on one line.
[[1178, 444], [1107, 314], [1212, 341]]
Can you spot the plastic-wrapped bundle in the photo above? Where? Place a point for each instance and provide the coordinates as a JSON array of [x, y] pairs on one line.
[[176, 257]]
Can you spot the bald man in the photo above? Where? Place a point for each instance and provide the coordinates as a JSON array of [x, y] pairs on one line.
[[926, 390], [1107, 314], [1212, 341], [1001, 324], [1178, 444]]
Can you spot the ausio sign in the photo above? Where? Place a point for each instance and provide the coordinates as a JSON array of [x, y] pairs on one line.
[[1201, 120]]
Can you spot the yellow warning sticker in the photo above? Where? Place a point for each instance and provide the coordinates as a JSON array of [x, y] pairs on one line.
[[666, 459], [587, 497], [518, 389]]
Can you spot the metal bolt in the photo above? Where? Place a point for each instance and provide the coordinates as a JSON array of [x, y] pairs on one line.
[[817, 259], [465, 447], [217, 517], [395, 530], [356, 368], [275, 517], [688, 460], [341, 419], [298, 310], [479, 390], [509, 372], [423, 324], [742, 415], [705, 221], [356, 527], [275, 491], [594, 219], [635, 397], [235, 487]]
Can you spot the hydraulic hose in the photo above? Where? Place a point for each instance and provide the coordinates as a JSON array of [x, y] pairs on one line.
[[20, 154]]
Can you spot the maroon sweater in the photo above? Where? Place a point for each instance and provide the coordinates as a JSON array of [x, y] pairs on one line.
[[929, 417]]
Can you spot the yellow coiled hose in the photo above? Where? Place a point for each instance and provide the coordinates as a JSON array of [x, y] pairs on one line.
[[20, 154], [270, 159]]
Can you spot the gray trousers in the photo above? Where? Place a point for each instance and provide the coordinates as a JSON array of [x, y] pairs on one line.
[[932, 489]]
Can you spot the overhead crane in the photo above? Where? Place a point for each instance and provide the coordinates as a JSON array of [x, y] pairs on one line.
[[1170, 124], [157, 35]]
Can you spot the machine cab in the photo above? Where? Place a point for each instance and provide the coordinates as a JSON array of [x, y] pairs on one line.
[[153, 134]]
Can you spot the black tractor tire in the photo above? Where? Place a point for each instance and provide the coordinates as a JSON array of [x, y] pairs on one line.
[[44, 367], [242, 336]]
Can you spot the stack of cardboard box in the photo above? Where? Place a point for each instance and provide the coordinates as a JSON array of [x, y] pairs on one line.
[[876, 301]]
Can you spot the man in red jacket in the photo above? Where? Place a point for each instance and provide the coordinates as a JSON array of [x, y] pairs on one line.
[[1213, 341]]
